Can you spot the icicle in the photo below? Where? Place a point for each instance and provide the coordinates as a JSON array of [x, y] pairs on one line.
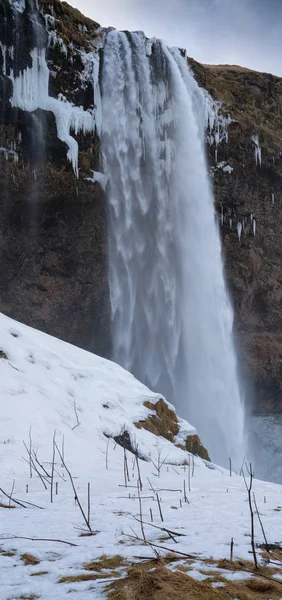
[[251, 217], [243, 225], [215, 154], [254, 226], [255, 139], [31, 91], [273, 199], [222, 217], [239, 230], [230, 223]]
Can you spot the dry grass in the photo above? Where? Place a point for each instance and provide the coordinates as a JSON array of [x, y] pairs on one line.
[[29, 559], [87, 577], [248, 566], [2, 505], [160, 584], [163, 423], [7, 553], [39, 574], [3, 355], [154, 581], [106, 562], [69, 21], [194, 445]]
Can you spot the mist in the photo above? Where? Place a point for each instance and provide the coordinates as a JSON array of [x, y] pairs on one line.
[[245, 32]]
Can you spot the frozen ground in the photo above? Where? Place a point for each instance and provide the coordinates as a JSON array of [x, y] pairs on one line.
[[48, 386]]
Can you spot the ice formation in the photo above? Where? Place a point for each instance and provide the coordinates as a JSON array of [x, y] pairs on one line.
[[239, 230], [255, 139], [31, 91]]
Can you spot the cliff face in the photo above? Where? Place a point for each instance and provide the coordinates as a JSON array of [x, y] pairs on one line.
[[53, 250], [249, 198], [53, 234]]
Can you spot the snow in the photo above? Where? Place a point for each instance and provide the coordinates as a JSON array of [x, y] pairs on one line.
[[9, 153], [98, 177], [44, 384], [18, 5]]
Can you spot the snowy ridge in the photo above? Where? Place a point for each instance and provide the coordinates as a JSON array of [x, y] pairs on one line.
[[48, 385], [52, 380]]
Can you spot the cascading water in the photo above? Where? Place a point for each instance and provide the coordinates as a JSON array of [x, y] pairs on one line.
[[171, 316]]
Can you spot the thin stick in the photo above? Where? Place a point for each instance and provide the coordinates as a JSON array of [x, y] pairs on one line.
[[151, 485], [88, 504], [53, 463], [189, 474], [13, 499], [260, 522], [163, 528], [18, 537], [13, 486], [40, 465], [193, 465], [32, 463], [185, 496], [140, 511], [159, 505], [249, 490], [76, 415], [165, 548], [139, 474], [151, 515], [74, 490], [231, 549]]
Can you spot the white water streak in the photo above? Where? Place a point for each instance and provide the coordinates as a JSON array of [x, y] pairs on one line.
[[172, 318]]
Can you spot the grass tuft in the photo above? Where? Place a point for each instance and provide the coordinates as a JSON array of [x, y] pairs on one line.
[[105, 562], [29, 559]]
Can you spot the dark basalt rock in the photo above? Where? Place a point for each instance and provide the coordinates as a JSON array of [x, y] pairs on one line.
[[53, 245]]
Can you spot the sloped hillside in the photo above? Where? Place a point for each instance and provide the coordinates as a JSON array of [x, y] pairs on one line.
[[61, 408]]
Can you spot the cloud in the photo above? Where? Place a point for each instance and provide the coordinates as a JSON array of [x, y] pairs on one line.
[[245, 32]]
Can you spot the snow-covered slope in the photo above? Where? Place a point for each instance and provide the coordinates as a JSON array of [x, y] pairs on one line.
[[48, 386]]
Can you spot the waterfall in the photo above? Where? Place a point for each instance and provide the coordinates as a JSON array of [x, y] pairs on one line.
[[171, 316]]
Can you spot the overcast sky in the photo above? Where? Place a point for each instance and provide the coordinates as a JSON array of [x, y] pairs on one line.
[[244, 32]]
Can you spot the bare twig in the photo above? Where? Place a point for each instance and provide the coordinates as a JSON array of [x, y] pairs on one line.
[[139, 474], [140, 511], [74, 490], [159, 505], [13, 487], [260, 522], [88, 503], [164, 548], [76, 416], [249, 490], [18, 537], [168, 531], [13, 500]]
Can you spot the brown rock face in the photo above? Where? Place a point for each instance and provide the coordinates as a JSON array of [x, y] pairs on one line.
[[253, 264]]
